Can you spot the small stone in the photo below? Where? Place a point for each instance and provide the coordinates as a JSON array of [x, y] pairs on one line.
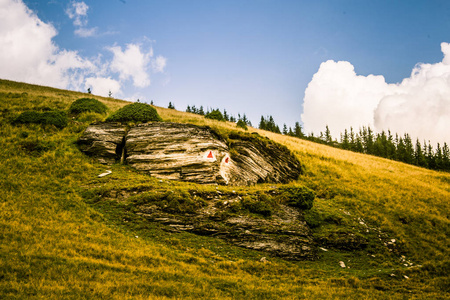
[[323, 249], [263, 260], [107, 172], [406, 277], [136, 236], [342, 264], [393, 275], [393, 240]]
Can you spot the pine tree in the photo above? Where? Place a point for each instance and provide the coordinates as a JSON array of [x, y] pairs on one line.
[[409, 149], [430, 157], [285, 130], [291, 133], [201, 111], [352, 140], [225, 115], [262, 123], [327, 137], [390, 146], [438, 157], [298, 130], [419, 157], [345, 143], [188, 109], [445, 157]]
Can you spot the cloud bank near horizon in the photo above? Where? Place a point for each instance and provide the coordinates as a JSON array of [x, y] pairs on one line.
[[29, 54], [419, 105]]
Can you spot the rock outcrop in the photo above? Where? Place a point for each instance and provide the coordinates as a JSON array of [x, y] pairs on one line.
[[284, 234], [191, 153], [103, 141], [176, 151]]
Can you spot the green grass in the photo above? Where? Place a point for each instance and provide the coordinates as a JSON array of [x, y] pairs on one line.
[[63, 236]]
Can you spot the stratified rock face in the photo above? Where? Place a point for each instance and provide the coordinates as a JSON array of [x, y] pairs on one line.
[[259, 162], [176, 151], [191, 153], [103, 141]]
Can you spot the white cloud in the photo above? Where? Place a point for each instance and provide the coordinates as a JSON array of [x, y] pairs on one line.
[[77, 11], [102, 86], [85, 32], [159, 63], [419, 105], [132, 63], [27, 52]]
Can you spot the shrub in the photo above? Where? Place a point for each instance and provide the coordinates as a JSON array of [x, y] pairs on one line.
[[135, 112], [241, 124], [56, 118], [87, 105], [215, 115], [297, 196]]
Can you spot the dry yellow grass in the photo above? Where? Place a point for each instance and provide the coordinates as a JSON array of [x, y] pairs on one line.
[[54, 244]]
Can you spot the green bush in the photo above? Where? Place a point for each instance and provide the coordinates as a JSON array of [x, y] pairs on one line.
[[135, 112], [56, 118], [297, 196], [87, 105], [242, 124], [215, 115]]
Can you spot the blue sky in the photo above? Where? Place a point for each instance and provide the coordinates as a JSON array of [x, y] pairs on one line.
[[253, 57]]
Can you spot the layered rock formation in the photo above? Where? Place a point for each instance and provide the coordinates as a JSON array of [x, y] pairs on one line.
[[284, 234], [191, 153]]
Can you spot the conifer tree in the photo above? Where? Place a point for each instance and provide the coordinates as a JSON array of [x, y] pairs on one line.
[[298, 130], [225, 115], [419, 157], [290, 133], [327, 137], [445, 157]]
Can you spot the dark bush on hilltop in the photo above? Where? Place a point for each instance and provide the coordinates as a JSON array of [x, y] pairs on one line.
[[241, 124], [297, 196], [135, 112], [215, 115], [87, 105], [56, 118]]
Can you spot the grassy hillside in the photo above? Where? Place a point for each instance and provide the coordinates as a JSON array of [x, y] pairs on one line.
[[60, 237]]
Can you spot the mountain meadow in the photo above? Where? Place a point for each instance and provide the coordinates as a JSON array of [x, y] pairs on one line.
[[381, 228]]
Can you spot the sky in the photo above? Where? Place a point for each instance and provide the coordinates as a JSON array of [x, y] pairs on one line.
[[341, 63]]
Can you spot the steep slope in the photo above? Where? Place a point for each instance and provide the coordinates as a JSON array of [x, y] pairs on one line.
[[66, 233]]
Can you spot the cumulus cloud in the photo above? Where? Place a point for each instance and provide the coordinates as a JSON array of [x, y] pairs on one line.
[[133, 63], [103, 86], [27, 52], [419, 105], [77, 11], [159, 63]]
